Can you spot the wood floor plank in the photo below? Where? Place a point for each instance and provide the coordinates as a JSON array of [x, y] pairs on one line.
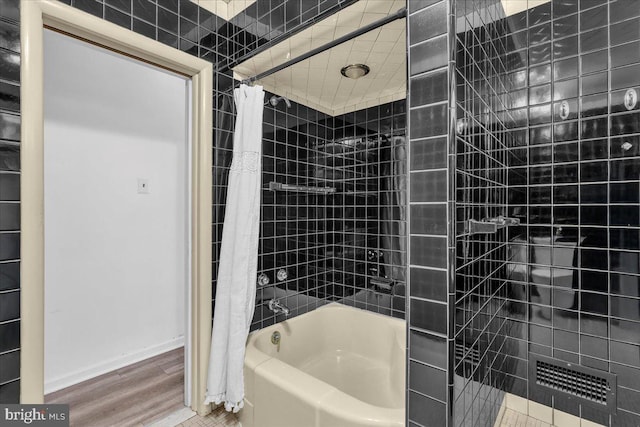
[[132, 389], [172, 368], [176, 355], [81, 389], [130, 411], [130, 396], [169, 400]]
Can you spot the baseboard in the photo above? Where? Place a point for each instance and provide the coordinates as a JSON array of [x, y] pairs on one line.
[[78, 376]]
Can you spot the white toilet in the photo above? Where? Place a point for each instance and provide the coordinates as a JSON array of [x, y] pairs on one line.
[[552, 274]]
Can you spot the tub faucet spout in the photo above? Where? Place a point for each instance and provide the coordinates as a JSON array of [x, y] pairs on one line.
[[277, 307]]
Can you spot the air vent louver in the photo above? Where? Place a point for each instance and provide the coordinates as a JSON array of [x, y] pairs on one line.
[[472, 354], [572, 382], [591, 386]]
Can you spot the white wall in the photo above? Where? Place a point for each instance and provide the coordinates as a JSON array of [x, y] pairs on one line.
[[115, 260]]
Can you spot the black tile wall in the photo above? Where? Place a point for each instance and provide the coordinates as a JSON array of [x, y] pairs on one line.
[[333, 245], [484, 98], [430, 341], [573, 181], [294, 225], [368, 217], [9, 201], [543, 135]]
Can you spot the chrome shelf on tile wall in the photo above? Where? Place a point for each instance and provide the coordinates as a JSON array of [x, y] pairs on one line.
[[490, 225], [277, 186]]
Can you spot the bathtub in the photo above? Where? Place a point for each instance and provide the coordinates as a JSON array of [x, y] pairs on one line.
[[337, 366]]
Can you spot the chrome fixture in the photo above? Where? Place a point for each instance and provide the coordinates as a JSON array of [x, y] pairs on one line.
[[490, 225], [355, 71], [275, 339], [461, 126], [282, 275], [263, 280], [630, 99], [277, 186], [275, 100], [277, 307], [564, 110], [382, 284]]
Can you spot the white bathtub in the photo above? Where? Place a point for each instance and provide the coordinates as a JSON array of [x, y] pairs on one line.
[[337, 366]]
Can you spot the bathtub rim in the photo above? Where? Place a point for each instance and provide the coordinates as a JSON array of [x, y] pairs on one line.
[[342, 404]]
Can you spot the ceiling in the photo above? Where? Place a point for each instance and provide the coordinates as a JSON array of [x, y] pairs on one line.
[[225, 9], [317, 81], [511, 7]]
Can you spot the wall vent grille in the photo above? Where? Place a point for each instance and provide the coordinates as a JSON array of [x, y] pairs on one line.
[[591, 386], [573, 382], [472, 354]]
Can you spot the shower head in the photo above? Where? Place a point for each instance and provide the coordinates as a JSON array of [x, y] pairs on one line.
[[276, 99]]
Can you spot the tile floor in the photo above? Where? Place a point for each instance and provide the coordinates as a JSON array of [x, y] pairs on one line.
[[221, 418], [512, 418], [218, 418]]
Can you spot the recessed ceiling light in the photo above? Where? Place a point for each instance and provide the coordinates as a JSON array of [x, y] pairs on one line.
[[355, 71]]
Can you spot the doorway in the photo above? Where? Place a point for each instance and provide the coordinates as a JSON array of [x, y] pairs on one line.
[[36, 16], [116, 145]]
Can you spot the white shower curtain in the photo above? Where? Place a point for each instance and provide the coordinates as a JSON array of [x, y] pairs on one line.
[[236, 286]]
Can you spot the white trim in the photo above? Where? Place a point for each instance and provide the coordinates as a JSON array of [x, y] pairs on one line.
[[188, 258], [110, 365]]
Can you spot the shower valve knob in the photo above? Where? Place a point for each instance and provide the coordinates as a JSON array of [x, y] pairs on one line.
[[282, 275], [263, 280]]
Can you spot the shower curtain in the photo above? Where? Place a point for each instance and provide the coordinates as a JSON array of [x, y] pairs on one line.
[[393, 174], [236, 286]]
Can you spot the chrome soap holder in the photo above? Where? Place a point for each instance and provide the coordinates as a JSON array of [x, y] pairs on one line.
[[382, 284], [490, 225]]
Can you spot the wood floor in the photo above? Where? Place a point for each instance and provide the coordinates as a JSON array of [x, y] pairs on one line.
[[135, 395]]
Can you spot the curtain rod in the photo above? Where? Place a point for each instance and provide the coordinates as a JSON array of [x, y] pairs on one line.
[[401, 13], [286, 35]]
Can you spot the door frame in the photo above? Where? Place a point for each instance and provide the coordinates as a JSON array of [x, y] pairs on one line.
[[35, 16]]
